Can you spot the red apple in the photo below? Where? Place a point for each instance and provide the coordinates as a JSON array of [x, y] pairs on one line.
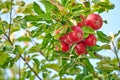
[[94, 21], [65, 39], [80, 48], [64, 46], [90, 40], [76, 35], [76, 29], [81, 24], [62, 38]]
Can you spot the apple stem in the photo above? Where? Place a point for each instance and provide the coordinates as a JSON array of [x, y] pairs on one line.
[[72, 51], [30, 67]]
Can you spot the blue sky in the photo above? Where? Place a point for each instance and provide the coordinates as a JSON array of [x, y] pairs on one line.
[[113, 18]]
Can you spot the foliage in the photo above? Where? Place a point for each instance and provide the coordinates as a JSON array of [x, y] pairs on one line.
[[29, 34]]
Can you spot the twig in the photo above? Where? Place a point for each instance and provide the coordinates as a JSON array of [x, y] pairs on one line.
[[34, 43], [19, 70], [37, 47], [8, 38], [10, 19], [115, 51], [31, 68]]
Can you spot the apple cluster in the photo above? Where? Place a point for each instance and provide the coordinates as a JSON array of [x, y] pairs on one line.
[[76, 36]]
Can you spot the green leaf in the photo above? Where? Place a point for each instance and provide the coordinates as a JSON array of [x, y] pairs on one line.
[[24, 38], [32, 77], [63, 2], [3, 25], [88, 77], [100, 10], [49, 7], [28, 9], [63, 30], [87, 4], [46, 40], [20, 3], [2, 5], [95, 48], [105, 21], [85, 70], [73, 70], [3, 57], [66, 79], [118, 44], [45, 16], [34, 55], [45, 43], [64, 55], [23, 24], [52, 66], [106, 5], [6, 48], [37, 8], [54, 76], [92, 55], [15, 27], [8, 4], [28, 74], [87, 31], [107, 65], [38, 31], [106, 46], [1, 30], [64, 68], [117, 33], [37, 62], [17, 18], [18, 50], [79, 76], [32, 18], [87, 64], [102, 37], [69, 68], [33, 49]]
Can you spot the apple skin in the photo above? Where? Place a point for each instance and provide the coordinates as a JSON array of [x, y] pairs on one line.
[[64, 46], [80, 48], [90, 40], [94, 21], [76, 35], [76, 29], [81, 24], [73, 37], [65, 39]]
